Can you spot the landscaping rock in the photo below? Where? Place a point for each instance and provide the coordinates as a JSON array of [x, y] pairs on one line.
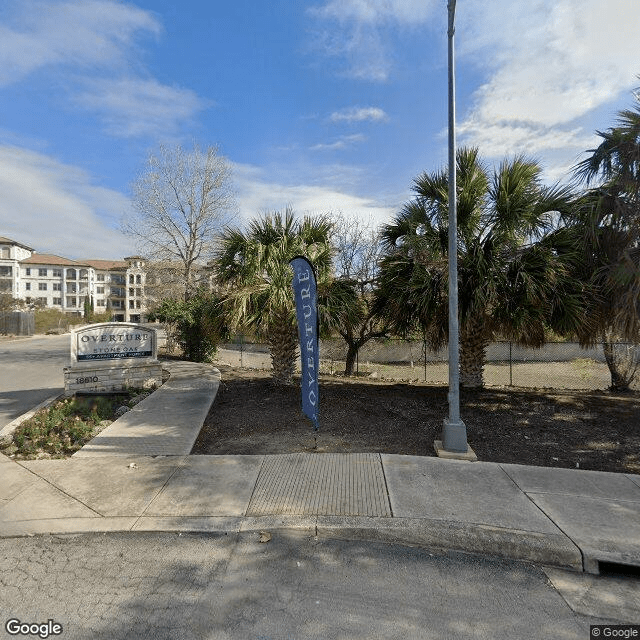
[[139, 398], [120, 411]]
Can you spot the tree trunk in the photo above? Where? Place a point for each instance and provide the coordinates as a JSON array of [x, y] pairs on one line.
[[283, 346], [352, 353], [473, 351], [622, 361]]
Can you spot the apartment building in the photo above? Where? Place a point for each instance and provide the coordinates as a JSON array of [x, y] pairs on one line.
[[114, 286]]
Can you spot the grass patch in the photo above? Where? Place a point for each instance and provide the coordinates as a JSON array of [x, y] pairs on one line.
[[66, 426]]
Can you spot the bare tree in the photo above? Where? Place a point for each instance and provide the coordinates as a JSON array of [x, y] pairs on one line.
[[181, 201], [357, 252]]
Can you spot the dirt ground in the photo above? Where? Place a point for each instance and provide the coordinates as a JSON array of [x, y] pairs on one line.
[[571, 429]]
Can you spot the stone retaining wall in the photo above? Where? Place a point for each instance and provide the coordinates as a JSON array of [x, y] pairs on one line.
[[98, 378]]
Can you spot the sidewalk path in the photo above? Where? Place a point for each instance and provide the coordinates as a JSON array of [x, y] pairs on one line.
[[166, 423], [139, 477]]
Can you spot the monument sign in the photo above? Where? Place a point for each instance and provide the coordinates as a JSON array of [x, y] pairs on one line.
[[112, 356]]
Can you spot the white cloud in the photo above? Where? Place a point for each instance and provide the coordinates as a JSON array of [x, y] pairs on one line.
[[341, 143], [257, 194], [407, 12], [356, 31], [359, 114], [551, 63], [56, 208], [135, 107], [80, 33], [93, 44], [509, 137]]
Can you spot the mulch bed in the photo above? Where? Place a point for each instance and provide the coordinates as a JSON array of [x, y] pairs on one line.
[[571, 429]]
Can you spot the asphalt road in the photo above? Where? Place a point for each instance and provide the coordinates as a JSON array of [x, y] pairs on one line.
[[30, 372], [293, 587]]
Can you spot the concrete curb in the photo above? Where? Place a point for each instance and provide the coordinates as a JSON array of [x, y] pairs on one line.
[[557, 551]]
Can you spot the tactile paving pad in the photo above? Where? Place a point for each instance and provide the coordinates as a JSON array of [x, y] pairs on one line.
[[321, 484]]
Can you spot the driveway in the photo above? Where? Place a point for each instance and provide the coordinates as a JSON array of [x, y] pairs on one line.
[[30, 372]]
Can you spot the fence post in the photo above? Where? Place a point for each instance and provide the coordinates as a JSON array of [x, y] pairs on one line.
[[510, 366], [424, 353], [241, 348]]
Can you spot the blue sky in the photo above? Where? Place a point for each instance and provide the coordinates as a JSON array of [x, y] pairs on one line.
[[325, 105]]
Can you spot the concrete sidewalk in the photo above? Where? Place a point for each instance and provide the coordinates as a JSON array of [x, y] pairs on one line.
[[137, 476]]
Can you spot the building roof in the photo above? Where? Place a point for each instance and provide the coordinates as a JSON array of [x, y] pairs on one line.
[[48, 258], [106, 265], [4, 240]]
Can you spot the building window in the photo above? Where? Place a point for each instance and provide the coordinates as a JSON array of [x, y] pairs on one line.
[[71, 302], [131, 278], [72, 288], [57, 273], [131, 292], [27, 286], [138, 279], [137, 304], [57, 301], [71, 274], [42, 286], [99, 289], [131, 305], [6, 272], [27, 271], [100, 303], [5, 252], [42, 273], [57, 286], [116, 304], [100, 277]]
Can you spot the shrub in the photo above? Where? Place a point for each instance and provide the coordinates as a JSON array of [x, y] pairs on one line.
[[198, 325], [64, 427]]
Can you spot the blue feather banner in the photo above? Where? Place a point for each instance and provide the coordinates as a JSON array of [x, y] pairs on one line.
[[306, 296]]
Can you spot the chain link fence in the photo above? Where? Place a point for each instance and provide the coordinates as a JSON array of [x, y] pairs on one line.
[[557, 365]]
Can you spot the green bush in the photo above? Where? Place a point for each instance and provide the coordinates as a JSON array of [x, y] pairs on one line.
[[198, 325], [64, 427], [48, 320]]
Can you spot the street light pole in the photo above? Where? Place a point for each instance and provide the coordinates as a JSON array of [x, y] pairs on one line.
[[454, 432]]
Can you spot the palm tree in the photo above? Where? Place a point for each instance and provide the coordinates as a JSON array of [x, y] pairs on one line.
[[608, 224], [512, 281], [616, 161], [253, 267]]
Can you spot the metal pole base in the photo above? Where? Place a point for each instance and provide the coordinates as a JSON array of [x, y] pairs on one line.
[[454, 436]]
